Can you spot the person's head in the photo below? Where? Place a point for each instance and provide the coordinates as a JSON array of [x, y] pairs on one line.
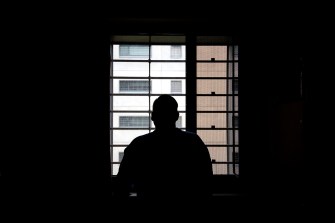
[[165, 112]]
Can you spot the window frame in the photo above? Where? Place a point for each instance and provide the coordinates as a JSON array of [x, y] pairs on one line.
[[191, 43]]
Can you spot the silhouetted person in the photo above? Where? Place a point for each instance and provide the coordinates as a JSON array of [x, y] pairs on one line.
[[168, 163]]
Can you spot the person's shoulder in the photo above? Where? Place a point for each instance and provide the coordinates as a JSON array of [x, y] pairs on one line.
[[139, 142], [143, 137], [188, 134]]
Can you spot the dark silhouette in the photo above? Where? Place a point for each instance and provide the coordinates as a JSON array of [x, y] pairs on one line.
[[167, 163]]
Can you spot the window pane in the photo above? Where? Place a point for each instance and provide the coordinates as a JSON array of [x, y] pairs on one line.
[[231, 70], [209, 52], [211, 120], [213, 137], [124, 137], [130, 69], [115, 168], [209, 86], [208, 103], [232, 103], [233, 137], [218, 154], [131, 52], [168, 69], [211, 69], [130, 103], [237, 137], [235, 69], [180, 122], [237, 169], [164, 86], [115, 152], [167, 52]]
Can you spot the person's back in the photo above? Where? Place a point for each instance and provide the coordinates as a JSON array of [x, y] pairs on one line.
[[167, 163]]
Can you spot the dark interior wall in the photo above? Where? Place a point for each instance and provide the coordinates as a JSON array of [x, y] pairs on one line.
[[56, 128], [280, 92], [271, 111], [270, 92], [286, 63]]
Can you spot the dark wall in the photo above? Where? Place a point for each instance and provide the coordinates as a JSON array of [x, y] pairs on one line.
[[56, 120], [282, 71]]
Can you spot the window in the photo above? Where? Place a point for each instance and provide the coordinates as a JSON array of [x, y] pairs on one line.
[[176, 52], [134, 121], [176, 86], [216, 103], [207, 94], [134, 86], [134, 51]]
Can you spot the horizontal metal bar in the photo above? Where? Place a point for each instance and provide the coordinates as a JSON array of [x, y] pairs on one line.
[[147, 128], [147, 77], [144, 94], [216, 128], [221, 162], [215, 78], [217, 112], [149, 61], [216, 61]]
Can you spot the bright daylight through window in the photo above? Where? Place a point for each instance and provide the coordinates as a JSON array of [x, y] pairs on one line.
[[143, 67]]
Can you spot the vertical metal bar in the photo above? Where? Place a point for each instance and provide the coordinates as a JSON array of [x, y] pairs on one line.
[[149, 61], [227, 113], [191, 84], [111, 111], [233, 110]]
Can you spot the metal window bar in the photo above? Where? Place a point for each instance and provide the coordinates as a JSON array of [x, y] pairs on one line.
[[228, 116]]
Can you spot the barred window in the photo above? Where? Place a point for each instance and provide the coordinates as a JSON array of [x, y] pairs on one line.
[[207, 94], [134, 121], [134, 86]]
